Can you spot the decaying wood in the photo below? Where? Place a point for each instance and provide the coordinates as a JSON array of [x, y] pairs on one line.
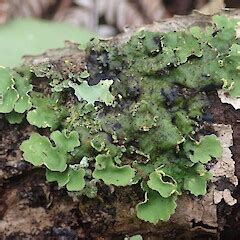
[[30, 208]]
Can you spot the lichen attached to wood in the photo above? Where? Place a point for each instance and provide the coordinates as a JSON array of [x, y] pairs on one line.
[[133, 116]]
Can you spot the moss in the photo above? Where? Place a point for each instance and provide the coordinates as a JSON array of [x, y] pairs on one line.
[[137, 111]]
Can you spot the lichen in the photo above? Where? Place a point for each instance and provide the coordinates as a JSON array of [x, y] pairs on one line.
[[106, 170], [72, 178], [14, 90], [91, 94], [39, 150], [137, 114], [203, 151]]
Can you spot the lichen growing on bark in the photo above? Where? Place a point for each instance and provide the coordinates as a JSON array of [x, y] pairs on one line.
[[138, 112]]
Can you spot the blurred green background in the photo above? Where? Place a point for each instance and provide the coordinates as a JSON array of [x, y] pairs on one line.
[[33, 36]]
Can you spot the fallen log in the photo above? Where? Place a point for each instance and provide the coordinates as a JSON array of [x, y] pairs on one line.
[[32, 208]]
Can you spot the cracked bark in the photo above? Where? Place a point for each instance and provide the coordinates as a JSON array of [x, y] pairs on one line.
[[31, 208]]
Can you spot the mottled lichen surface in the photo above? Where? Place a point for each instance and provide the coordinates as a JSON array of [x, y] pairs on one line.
[[135, 115]]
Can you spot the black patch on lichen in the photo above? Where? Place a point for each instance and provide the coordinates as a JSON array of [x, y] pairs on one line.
[[98, 67]]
